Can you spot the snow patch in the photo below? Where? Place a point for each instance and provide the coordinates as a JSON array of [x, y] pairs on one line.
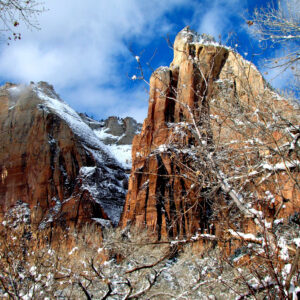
[[102, 222], [281, 166], [87, 171], [245, 236], [73, 250], [162, 148], [122, 153], [284, 253], [102, 134], [297, 242]]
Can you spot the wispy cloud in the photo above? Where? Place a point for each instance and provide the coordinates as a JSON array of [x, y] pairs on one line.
[[83, 47], [214, 16]]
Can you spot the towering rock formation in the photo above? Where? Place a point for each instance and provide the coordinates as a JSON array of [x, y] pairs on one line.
[[192, 113], [53, 161]]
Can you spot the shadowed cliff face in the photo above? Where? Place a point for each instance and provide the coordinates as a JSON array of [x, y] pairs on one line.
[[161, 193], [51, 160]]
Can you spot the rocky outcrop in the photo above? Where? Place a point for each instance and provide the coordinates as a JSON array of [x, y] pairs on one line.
[[117, 134], [114, 130], [54, 162], [194, 94]]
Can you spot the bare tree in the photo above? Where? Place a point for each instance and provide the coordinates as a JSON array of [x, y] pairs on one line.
[[130, 264], [278, 26], [13, 13]]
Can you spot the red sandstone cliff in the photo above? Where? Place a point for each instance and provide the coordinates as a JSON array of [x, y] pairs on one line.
[[210, 102], [53, 162]]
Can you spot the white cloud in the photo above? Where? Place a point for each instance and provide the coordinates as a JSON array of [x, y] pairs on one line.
[[213, 16], [104, 102], [82, 47]]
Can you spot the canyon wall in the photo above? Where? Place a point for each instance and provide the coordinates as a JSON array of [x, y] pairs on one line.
[[190, 115]]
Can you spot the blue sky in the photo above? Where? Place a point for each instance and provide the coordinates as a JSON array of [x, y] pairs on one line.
[[83, 47]]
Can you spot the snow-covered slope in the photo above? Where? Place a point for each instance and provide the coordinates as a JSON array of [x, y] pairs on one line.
[[117, 135], [80, 128], [122, 153]]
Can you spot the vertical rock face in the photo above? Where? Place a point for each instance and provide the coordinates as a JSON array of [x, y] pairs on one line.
[[54, 162], [157, 191], [161, 195]]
